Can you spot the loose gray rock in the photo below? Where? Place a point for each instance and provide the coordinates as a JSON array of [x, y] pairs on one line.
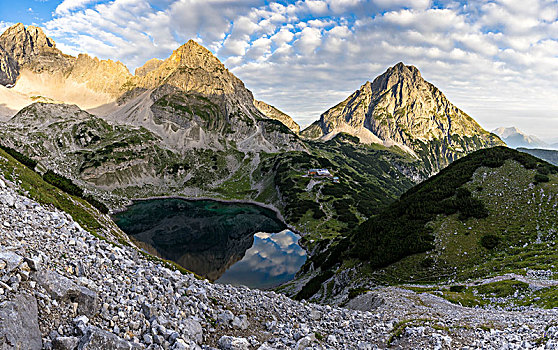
[[233, 343], [241, 322], [19, 327], [65, 343], [365, 302], [63, 289], [96, 338], [193, 330], [11, 262], [7, 200]]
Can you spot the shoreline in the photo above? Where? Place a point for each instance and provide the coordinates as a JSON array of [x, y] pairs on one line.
[[230, 201]]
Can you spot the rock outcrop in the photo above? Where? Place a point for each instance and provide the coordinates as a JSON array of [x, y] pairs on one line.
[[104, 76], [273, 113], [32, 49], [8, 68], [148, 67], [401, 108], [19, 327]]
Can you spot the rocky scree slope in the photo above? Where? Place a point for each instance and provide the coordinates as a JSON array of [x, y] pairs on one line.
[[492, 212], [62, 287], [401, 108]]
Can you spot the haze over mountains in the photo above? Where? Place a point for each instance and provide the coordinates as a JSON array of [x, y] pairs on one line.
[[515, 138]]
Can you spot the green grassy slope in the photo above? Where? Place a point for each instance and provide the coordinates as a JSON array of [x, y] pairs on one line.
[[36, 188], [491, 212], [370, 178], [549, 155]]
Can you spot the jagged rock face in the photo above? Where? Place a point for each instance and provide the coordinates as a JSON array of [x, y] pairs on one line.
[[273, 113], [400, 107], [35, 54], [8, 68], [192, 101], [23, 43], [100, 75], [148, 67], [32, 49], [194, 69]]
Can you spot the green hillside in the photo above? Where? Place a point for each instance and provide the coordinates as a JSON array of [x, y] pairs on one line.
[[37, 188], [491, 212], [370, 177], [549, 155]]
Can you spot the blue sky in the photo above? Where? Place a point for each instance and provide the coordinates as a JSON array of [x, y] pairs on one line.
[[495, 59]]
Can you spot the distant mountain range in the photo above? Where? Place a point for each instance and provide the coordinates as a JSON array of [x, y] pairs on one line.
[[515, 138], [549, 155]]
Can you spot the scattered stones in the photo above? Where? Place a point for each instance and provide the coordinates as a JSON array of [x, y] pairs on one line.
[[233, 343], [96, 338], [63, 288], [65, 343]]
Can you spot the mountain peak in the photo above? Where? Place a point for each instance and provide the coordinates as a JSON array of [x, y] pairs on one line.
[[395, 75], [507, 131], [400, 107], [516, 138], [192, 54], [402, 68], [24, 43]]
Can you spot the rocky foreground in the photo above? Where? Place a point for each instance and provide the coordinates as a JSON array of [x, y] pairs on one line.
[[63, 288]]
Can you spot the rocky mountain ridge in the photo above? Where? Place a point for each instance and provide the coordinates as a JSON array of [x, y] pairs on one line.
[[401, 108], [33, 66], [273, 113]]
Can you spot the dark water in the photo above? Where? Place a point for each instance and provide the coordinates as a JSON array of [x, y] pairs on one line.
[[225, 242]]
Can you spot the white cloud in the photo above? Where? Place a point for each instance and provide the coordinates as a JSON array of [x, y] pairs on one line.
[[317, 7], [5, 25], [309, 39], [306, 56], [68, 5]]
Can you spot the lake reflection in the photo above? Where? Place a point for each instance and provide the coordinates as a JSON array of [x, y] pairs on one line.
[[274, 258], [219, 241]]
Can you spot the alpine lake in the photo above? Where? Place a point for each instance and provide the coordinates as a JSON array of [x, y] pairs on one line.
[[229, 243]]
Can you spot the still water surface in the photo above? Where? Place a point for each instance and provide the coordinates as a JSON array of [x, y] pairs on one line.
[[234, 243]]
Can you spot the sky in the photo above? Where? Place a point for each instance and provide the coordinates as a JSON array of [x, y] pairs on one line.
[[497, 60]]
